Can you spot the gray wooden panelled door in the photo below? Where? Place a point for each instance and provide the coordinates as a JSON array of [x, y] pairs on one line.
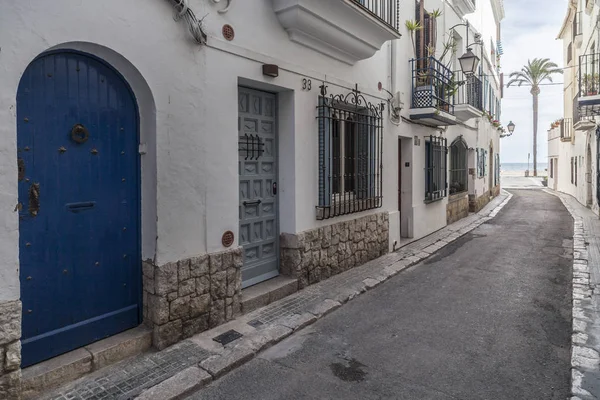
[[259, 230]]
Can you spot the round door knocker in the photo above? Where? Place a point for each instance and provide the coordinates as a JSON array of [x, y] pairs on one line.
[[79, 134]]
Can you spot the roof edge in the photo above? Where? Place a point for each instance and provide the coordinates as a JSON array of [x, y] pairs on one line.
[[570, 9]]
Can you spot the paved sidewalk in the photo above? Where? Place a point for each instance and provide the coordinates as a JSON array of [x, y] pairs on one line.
[[195, 362], [585, 356]]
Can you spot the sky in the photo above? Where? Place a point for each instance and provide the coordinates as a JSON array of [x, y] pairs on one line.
[[529, 31]]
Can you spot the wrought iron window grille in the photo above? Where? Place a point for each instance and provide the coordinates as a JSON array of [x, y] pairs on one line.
[[436, 177], [252, 146], [350, 154]]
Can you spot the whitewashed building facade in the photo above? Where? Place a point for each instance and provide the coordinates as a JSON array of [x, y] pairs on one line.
[[573, 140], [156, 167]]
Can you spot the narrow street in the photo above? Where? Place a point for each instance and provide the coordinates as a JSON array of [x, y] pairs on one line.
[[487, 317]]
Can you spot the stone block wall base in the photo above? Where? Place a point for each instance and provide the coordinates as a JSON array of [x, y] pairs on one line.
[[476, 204], [10, 350], [314, 255], [190, 296], [496, 191], [457, 208]]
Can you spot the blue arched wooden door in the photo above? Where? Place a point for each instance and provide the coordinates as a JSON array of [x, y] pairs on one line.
[[77, 137]]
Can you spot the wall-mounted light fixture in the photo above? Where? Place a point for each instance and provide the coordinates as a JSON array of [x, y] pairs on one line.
[[271, 70], [468, 61]]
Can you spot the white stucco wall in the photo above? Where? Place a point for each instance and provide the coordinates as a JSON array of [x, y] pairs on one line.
[[187, 96], [188, 110], [577, 148]]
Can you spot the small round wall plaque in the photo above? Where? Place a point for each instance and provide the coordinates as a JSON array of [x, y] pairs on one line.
[[228, 32], [227, 239]]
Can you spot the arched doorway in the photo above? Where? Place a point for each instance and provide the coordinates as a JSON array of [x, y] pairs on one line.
[[588, 175], [79, 197]]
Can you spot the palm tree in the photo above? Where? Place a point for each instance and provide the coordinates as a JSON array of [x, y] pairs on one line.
[[533, 74]]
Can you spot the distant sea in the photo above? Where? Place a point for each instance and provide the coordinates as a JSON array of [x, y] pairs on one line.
[[522, 166]]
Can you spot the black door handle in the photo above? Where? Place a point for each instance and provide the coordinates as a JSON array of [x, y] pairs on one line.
[[82, 206]]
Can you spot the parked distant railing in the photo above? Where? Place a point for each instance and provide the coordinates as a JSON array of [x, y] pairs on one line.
[[566, 129], [469, 91], [577, 25], [432, 85], [387, 11]]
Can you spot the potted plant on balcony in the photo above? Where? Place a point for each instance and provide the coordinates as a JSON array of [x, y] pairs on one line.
[[590, 84]]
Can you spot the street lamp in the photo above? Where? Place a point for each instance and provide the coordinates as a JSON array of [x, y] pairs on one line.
[[469, 62], [511, 127]]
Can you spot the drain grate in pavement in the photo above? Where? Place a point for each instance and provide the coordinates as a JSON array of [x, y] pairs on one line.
[[127, 379], [227, 337], [255, 323]]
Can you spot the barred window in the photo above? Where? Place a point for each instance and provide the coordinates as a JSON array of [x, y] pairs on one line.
[[575, 171], [481, 163], [459, 167], [435, 169], [350, 155], [497, 170]]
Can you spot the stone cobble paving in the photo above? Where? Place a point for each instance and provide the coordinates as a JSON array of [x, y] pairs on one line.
[[127, 379], [585, 356]]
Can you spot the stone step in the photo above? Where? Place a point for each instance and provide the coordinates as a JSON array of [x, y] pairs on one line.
[[41, 378], [267, 292]]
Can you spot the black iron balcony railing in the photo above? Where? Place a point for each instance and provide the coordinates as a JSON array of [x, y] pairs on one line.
[[566, 129], [469, 91], [387, 11], [577, 31], [589, 70], [433, 85]]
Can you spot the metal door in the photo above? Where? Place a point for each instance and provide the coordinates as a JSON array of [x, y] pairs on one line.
[[77, 138], [257, 135]]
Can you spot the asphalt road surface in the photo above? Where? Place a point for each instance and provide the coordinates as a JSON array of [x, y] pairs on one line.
[[487, 317]]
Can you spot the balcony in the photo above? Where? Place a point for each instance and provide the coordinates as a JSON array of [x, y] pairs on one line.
[[464, 7], [583, 124], [589, 98], [433, 88], [468, 99], [566, 129], [346, 30], [577, 31]]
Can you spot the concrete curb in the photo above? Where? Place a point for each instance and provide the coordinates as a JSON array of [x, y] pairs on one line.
[[584, 358], [247, 347]]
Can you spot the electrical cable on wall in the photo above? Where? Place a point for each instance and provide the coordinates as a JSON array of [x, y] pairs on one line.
[[182, 11]]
